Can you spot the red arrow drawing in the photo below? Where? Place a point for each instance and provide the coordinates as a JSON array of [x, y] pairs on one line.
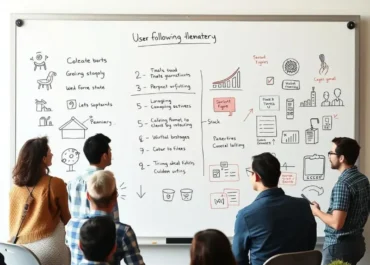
[[250, 111]]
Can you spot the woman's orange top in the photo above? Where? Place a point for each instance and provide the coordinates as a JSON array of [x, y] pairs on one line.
[[45, 212]]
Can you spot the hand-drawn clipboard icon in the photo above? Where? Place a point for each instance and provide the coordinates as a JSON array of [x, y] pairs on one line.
[[313, 167]]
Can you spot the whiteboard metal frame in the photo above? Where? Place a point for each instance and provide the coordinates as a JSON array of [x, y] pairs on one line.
[[159, 17]]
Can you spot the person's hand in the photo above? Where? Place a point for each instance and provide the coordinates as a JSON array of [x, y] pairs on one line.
[[315, 207]]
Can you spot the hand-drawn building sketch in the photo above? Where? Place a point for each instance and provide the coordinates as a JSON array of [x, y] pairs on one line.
[[73, 129]]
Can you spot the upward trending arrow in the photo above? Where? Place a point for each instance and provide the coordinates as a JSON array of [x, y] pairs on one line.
[[141, 195], [250, 111]]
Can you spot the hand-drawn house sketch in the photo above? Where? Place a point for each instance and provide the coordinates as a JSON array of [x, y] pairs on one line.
[[73, 129]]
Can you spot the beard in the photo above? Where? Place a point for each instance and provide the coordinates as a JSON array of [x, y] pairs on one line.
[[334, 165]]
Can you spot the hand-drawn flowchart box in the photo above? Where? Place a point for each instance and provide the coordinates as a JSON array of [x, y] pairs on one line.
[[224, 172], [222, 200]]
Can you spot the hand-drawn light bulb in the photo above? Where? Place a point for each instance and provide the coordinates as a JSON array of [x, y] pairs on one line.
[[70, 157]]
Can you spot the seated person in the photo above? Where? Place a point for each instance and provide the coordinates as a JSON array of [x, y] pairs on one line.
[[102, 195], [98, 240], [211, 247], [274, 223]]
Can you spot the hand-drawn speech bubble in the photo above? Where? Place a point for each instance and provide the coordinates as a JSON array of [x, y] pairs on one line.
[[224, 105]]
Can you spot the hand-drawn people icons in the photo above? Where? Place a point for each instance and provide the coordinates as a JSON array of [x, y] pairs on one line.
[[335, 102]]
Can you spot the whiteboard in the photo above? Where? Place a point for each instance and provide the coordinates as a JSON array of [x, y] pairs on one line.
[[187, 101]]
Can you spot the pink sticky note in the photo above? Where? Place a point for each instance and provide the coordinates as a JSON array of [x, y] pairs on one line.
[[224, 105]]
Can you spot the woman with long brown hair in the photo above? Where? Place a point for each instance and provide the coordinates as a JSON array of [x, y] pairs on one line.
[[211, 247], [39, 205]]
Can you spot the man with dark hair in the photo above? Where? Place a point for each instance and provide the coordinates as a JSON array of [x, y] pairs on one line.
[[274, 223], [98, 240], [102, 194], [349, 205], [99, 155]]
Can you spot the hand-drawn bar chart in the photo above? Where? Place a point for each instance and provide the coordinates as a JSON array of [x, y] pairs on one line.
[[233, 81], [290, 137]]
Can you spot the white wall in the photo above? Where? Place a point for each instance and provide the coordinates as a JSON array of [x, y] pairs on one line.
[[176, 254]]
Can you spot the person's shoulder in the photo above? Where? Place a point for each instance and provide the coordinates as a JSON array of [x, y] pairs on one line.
[[125, 230]]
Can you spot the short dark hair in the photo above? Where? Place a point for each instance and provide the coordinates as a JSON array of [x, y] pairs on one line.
[[98, 238], [29, 167], [347, 147], [211, 247], [267, 167], [95, 146]]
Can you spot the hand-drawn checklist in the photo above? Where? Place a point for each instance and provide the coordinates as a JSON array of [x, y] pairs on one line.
[[270, 103], [224, 105], [288, 179], [312, 134], [41, 106], [233, 196], [311, 102], [70, 157], [266, 126], [270, 80], [224, 172], [313, 167], [39, 61]]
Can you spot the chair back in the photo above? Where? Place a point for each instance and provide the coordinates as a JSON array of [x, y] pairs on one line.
[[18, 255], [312, 257]]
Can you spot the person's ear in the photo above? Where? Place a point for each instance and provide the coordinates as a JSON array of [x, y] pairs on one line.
[[341, 159], [257, 177], [79, 244], [88, 196]]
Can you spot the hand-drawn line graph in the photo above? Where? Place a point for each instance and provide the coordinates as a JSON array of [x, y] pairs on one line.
[[232, 82]]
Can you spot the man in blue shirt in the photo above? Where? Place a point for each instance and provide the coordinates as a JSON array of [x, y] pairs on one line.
[[99, 155], [274, 223], [349, 206]]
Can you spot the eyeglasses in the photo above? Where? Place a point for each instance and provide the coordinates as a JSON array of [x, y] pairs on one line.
[[331, 153], [249, 171]]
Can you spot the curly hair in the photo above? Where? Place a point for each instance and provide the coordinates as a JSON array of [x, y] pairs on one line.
[[30, 166]]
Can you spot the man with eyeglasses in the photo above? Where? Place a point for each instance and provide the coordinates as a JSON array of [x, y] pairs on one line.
[[349, 206], [102, 195], [274, 223]]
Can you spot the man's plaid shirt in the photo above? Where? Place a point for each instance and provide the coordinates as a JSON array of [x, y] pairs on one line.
[[78, 204], [127, 246], [350, 194]]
